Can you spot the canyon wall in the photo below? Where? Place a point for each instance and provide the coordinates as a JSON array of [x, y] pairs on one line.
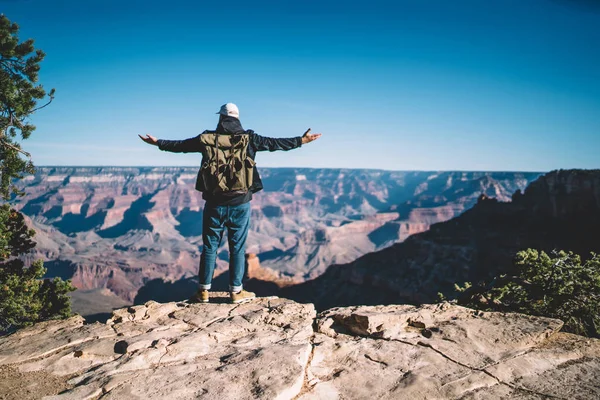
[[560, 210], [121, 227]]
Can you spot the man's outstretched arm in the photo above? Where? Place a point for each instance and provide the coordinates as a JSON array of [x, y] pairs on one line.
[[262, 143], [191, 145]]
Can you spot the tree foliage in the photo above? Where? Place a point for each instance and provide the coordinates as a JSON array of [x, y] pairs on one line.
[[558, 285], [19, 97], [24, 297]]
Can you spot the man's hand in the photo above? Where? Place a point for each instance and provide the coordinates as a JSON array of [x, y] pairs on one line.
[[309, 137], [151, 139]]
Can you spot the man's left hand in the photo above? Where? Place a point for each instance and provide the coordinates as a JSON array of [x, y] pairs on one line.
[[149, 139]]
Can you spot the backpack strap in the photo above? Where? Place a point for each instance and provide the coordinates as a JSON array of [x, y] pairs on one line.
[[217, 149]]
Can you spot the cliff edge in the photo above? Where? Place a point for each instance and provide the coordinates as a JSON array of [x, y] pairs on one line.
[[273, 348]]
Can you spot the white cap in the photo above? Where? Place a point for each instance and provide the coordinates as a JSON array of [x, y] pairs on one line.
[[229, 109]]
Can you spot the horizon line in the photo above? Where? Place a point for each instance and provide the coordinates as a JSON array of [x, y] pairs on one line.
[[321, 168]]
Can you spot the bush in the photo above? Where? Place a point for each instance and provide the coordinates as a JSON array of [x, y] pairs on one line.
[[556, 286], [24, 297]]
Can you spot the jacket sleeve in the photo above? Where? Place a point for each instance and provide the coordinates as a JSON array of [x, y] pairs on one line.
[[262, 143], [191, 145]]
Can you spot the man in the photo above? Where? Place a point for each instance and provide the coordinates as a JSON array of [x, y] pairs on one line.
[[227, 180]]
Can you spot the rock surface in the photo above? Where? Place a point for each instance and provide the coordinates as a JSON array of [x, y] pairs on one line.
[[272, 348]]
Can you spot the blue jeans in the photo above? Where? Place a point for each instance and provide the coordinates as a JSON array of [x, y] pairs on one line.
[[214, 221]]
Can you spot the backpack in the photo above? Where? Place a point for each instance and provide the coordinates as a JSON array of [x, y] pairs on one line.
[[227, 169]]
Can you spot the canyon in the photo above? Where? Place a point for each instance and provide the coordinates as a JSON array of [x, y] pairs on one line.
[[558, 211], [115, 230], [342, 334]]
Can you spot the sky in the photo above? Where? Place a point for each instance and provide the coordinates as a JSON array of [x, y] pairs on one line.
[[506, 85]]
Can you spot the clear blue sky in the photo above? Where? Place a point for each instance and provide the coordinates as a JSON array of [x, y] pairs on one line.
[[403, 85]]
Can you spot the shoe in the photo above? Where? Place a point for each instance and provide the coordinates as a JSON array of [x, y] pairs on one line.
[[242, 296], [201, 296]]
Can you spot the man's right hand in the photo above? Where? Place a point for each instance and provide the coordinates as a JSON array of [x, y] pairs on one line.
[[149, 139], [309, 137]]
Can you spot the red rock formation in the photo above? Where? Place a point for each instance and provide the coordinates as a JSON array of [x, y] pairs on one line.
[[119, 228], [254, 271], [560, 210]]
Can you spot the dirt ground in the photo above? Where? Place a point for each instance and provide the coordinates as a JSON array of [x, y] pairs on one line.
[[15, 385]]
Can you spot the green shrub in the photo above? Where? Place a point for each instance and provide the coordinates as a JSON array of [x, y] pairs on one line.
[[557, 286], [24, 297]]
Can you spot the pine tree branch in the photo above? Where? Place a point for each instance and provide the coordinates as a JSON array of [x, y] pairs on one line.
[[5, 143], [49, 101], [9, 145]]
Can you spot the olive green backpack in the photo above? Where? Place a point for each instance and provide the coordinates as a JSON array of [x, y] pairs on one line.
[[227, 169]]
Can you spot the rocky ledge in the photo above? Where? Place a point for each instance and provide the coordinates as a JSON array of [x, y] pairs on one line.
[[273, 348]]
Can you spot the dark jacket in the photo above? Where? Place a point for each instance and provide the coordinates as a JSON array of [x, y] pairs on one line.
[[228, 126]]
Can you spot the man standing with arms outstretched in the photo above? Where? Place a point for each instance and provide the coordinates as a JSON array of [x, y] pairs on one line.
[[227, 180]]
